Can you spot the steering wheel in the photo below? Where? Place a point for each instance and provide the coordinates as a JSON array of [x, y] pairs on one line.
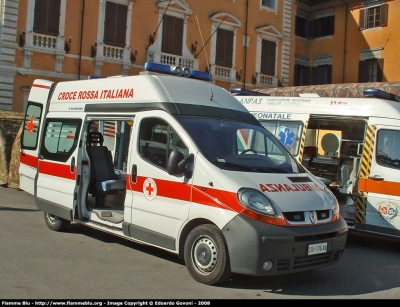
[[248, 150]]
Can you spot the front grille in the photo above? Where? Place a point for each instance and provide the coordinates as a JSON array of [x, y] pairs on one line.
[[299, 216], [308, 262]]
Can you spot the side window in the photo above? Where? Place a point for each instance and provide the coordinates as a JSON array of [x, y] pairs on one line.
[[32, 123], [157, 140], [289, 133], [388, 148], [60, 139], [115, 24], [47, 17], [224, 48], [172, 39]]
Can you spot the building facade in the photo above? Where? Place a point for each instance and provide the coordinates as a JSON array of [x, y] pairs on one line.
[[250, 44], [346, 42]]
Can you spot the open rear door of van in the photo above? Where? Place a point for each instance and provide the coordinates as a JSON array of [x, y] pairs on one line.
[[36, 110]]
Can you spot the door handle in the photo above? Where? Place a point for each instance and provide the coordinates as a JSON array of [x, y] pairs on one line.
[[72, 165], [134, 173], [376, 178]]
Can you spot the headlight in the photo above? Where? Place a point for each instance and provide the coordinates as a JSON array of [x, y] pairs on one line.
[[332, 201], [257, 201]]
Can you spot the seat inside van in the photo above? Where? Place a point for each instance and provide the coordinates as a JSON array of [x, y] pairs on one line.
[[103, 180]]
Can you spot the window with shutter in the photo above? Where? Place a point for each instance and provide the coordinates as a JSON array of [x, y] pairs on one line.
[[361, 72], [301, 27], [269, 3], [322, 74], [310, 29], [115, 24], [373, 17], [47, 17], [224, 48], [324, 26], [172, 39], [361, 25], [384, 15], [370, 70], [268, 57], [301, 75]]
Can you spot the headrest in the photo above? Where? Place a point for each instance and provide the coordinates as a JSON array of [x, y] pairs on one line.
[[160, 138], [95, 138]]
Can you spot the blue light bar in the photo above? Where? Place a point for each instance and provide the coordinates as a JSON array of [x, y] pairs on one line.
[[94, 77], [244, 92], [374, 92], [167, 69], [195, 74]]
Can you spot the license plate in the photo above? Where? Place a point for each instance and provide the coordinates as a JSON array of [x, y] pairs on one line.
[[318, 248]]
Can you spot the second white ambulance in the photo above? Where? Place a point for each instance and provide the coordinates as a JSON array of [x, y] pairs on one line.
[[353, 144]]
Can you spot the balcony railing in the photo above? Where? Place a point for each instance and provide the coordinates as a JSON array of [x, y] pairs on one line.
[[222, 73], [172, 60], [112, 52], [46, 43], [264, 81]]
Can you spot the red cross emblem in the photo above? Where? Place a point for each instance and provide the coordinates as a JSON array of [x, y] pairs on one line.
[[149, 189], [30, 125]]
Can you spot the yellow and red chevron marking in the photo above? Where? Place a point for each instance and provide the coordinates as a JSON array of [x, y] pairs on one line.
[[303, 139], [365, 169]]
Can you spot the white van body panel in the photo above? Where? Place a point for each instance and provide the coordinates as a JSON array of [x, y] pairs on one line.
[[181, 165]]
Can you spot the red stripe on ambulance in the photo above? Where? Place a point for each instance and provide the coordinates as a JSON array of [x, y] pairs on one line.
[[41, 86], [28, 159], [57, 170], [180, 191]]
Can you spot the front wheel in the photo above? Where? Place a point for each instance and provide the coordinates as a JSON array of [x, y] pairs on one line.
[[56, 223], [206, 255]]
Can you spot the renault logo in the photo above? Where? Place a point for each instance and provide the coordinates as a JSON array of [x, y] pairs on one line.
[[313, 217]]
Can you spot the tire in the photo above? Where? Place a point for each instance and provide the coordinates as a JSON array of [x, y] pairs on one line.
[[56, 223], [206, 255]]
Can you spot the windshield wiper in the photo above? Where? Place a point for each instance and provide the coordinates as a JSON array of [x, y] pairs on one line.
[[253, 169], [271, 170]]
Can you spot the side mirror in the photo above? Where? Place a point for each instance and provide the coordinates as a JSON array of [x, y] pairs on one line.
[[177, 164]]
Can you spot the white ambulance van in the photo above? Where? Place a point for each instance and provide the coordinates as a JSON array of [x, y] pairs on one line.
[[181, 165], [352, 144]]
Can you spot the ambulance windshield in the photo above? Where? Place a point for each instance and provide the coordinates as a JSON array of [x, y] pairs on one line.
[[240, 146]]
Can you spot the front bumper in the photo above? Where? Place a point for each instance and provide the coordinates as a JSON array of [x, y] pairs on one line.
[[251, 244]]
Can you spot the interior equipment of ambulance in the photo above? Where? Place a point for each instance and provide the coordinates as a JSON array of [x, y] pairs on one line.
[[353, 144], [178, 164]]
